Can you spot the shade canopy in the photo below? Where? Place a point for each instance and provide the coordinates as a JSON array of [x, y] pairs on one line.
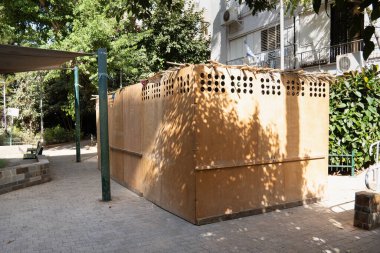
[[20, 59]]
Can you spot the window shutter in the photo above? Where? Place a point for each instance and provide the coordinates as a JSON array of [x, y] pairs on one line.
[[278, 36], [264, 40], [272, 38]]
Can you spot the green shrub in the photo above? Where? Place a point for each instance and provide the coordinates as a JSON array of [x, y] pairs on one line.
[[58, 134], [355, 114]]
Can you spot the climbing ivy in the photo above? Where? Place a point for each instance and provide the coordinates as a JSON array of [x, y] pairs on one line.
[[355, 114]]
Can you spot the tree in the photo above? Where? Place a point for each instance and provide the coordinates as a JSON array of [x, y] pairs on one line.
[[140, 37], [370, 6]]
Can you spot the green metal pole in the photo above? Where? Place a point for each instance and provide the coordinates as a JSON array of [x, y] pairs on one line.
[[103, 124], [353, 163], [77, 113]]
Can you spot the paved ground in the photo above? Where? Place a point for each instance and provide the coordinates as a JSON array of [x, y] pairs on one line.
[[65, 215]]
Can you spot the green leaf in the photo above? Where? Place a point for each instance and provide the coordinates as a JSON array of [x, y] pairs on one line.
[[372, 109], [369, 100], [357, 93], [365, 4], [316, 5], [375, 14], [369, 46], [342, 105], [368, 32]]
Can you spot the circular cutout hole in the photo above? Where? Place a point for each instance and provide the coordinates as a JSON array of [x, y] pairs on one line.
[[245, 78], [288, 87], [238, 78], [223, 90], [267, 80], [278, 87], [216, 83], [262, 86], [293, 93], [223, 77], [250, 91], [209, 82], [209, 76], [262, 80], [292, 81], [268, 92], [250, 79], [209, 88], [232, 77], [232, 84], [222, 83], [245, 85], [202, 75], [273, 92], [279, 93], [324, 95], [245, 90], [273, 87], [232, 90], [278, 81], [216, 76], [238, 90], [262, 92], [216, 89], [250, 85]]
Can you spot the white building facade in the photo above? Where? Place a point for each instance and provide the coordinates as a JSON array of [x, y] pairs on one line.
[[312, 42]]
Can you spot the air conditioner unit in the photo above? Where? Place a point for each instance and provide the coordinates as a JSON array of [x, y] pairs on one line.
[[348, 62], [230, 15]]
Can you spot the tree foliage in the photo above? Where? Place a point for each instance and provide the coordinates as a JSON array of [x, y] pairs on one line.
[[140, 37], [355, 114]]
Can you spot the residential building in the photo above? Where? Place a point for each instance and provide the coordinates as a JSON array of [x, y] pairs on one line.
[[312, 41]]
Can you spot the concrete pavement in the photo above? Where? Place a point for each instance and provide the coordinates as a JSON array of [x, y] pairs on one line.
[[66, 215]]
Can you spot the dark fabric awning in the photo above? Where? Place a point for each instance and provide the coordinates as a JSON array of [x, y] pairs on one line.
[[20, 59]]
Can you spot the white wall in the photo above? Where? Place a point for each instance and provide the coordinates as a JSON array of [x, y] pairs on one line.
[[213, 12]]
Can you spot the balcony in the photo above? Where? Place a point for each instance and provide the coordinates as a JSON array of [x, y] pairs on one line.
[[317, 57]]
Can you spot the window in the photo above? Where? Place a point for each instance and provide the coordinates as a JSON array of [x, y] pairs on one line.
[[270, 38]]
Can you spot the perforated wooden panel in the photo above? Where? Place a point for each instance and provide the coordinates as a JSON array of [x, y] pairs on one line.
[[207, 141]]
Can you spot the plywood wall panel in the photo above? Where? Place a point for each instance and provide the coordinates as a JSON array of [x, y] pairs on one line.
[[207, 141]]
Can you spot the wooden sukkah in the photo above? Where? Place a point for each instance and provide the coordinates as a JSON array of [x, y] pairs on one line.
[[209, 142]]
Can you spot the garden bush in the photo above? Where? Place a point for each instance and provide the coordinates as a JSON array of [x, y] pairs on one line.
[[58, 134], [355, 114]]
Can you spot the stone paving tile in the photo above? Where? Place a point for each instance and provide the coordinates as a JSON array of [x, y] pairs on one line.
[[65, 215]]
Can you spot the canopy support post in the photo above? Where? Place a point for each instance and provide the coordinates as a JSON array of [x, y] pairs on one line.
[[77, 113], [103, 123]]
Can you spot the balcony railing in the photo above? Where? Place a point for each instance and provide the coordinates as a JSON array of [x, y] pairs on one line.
[[270, 59], [305, 59]]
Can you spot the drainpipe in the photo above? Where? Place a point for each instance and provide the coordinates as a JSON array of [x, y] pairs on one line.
[[4, 107], [282, 46]]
